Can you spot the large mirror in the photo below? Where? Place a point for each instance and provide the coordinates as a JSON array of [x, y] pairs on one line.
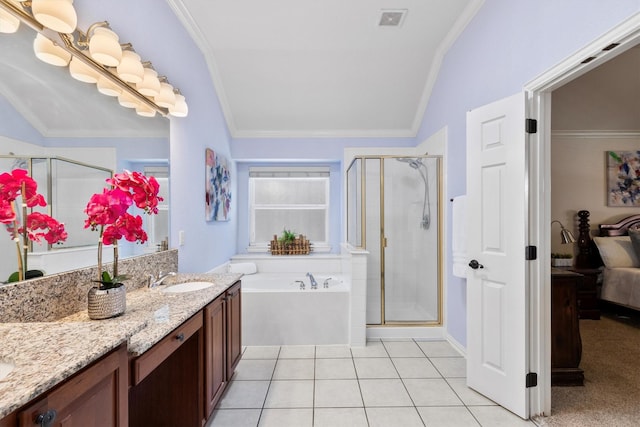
[[45, 113]]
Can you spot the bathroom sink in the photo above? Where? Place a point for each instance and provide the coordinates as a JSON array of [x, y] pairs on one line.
[[187, 287], [5, 369]]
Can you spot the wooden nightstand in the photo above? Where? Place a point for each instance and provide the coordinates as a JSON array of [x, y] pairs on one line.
[[566, 344], [588, 305]]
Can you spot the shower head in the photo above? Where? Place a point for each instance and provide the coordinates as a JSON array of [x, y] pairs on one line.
[[414, 163]]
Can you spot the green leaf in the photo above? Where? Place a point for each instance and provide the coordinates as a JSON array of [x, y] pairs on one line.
[[106, 277], [14, 277]]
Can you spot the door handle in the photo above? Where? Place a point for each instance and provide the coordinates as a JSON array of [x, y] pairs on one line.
[[475, 264]]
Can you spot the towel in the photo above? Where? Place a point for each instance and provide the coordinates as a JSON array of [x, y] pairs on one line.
[[459, 236], [243, 267]]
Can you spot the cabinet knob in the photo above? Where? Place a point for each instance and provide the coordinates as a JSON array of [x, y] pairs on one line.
[[180, 337], [46, 419]]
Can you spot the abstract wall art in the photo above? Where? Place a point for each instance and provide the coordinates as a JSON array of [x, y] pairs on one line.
[[623, 178], [217, 187]]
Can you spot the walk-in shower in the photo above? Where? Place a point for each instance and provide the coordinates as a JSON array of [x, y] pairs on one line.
[[393, 211]]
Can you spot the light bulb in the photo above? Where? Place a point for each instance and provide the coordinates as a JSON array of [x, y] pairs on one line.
[[104, 47], [48, 52], [180, 108], [58, 15], [82, 72], [130, 68], [166, 98], [107, 87], [150, 85]]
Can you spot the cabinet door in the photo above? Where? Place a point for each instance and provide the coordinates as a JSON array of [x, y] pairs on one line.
[[214, 369], [96, 397], [234, 329]]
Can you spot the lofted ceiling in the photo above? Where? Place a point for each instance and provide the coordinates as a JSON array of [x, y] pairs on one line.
[[305, 68]]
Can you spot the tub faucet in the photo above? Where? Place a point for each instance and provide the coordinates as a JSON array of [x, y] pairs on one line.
[[314, 284], [326, 283], [158, 281]]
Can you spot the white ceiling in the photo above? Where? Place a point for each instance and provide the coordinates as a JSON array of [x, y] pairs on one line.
[[57, 105], [304, 68]]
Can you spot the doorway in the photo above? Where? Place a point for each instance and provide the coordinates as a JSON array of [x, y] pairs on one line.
[[607, 47]]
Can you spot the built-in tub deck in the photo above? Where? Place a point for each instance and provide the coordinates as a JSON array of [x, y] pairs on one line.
[[276, 311]]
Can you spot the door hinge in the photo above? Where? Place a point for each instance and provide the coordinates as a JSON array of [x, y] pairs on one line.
[[531, 380], [531, 125], [530, 253]]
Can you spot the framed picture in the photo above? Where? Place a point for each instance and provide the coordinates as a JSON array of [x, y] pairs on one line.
[[623, 178], [217, 187]]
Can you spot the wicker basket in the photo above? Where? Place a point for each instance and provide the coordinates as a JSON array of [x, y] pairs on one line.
[[106, 303], [300, 246]]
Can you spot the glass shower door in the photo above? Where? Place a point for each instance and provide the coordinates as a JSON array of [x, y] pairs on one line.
[[411, 240]]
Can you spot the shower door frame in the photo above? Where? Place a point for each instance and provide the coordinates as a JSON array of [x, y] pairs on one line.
[[363, 231]]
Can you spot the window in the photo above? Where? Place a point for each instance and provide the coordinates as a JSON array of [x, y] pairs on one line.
[[293, 198]]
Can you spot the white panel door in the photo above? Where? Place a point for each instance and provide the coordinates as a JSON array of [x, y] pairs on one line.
[[496, 285]]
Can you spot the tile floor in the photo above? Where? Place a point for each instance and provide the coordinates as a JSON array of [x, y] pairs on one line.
[[387, 383]]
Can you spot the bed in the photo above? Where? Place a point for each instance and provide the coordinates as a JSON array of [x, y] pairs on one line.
[[619, 248]]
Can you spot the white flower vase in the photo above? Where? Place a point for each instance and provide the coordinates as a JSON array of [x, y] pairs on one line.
[[106, 303]]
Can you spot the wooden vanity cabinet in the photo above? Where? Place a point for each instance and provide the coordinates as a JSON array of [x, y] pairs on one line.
[[234, 328], [94, 397], [215, 377], [223, 344], [167, 380]]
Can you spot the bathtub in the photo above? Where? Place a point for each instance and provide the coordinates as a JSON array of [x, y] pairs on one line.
[[275, 311]]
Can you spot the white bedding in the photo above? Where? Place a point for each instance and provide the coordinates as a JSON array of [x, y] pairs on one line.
[[622, 286]]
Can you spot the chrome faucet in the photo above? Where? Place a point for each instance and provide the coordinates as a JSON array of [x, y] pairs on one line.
[[314, 284], [158, 280], [326, 283]]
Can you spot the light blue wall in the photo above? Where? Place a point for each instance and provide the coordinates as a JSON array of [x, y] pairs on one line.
[[506, 45]]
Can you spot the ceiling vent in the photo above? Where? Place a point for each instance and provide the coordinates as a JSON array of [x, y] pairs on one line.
[[392, 17]]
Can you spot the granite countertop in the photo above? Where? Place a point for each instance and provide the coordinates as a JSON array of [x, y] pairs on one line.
[[46, 353]]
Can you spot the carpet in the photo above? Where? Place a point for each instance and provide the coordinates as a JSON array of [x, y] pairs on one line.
[[611, 364]]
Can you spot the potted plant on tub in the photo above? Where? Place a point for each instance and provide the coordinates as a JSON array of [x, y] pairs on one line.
[[107, 213]]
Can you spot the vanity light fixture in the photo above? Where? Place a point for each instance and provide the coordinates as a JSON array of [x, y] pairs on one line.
[[93, 57]]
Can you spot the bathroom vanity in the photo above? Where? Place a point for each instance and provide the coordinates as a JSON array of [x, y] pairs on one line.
[[166, 361]]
